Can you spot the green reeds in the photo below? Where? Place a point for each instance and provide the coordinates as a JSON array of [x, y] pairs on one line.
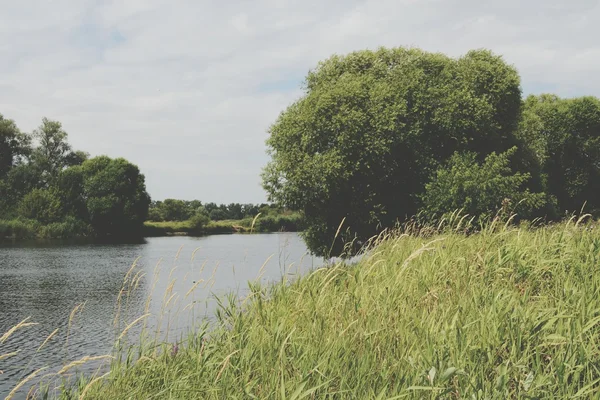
[[508, 312]]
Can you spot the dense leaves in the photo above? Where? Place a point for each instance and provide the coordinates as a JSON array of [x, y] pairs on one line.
[[47, 185], [183, 210], [373, 128], [13, 145], [115, 196], [41, 205], [479, 189], [565, 135]]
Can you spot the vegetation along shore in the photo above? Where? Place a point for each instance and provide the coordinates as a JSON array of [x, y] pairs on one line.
[[509, 312], [497, 300]]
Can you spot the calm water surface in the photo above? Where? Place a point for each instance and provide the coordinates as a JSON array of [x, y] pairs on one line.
[[46, 282]]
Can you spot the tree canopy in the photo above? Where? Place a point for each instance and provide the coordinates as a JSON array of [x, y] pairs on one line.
[[14, 145], [378, 135], [42, 179], [565, 137]]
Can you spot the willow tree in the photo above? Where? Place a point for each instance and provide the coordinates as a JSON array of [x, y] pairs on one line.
[[371, 129]]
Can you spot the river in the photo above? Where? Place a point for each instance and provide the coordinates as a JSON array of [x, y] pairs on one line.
[[174, 280]]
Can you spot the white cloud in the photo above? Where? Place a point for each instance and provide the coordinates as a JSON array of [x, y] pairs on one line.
[[187, 89]]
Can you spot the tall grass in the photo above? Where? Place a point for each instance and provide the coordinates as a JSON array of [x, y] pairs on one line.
[[427, 313]]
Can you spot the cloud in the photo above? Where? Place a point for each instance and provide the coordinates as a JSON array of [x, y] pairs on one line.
[[188, 89]]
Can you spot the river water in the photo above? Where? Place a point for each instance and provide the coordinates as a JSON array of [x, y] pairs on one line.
[[75, 289]]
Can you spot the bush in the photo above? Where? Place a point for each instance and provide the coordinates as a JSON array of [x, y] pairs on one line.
[[480, 189], [69, 228], [199, 221], [41, 205], [19, 228], [287, 223]]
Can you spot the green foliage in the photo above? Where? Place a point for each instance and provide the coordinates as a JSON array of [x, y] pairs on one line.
[[52, 151], [62, 190], [14, 145], [41, 205], [361, 143], [69, 227], [69, 186], [182, 210], [504, 314], [218, 215], [19, 228], [565, 137], [175, 210], [480, 189], [293, 222], [115, 196], [200, 224], [199, 220]]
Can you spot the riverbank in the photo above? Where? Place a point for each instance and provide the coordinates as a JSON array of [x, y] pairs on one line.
[[286, 223], [506, 313], [26, 229]]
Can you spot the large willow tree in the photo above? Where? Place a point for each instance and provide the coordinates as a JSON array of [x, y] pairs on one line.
[[373, 126]]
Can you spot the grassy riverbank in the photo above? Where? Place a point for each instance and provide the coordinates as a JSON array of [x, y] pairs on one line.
[[19, 229], [507, 313], [286, 222], [22, 228]]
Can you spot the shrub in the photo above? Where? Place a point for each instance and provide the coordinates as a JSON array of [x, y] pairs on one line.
[[70, 227], [199, 221], [41, 205], [19, 228], [480, 189]]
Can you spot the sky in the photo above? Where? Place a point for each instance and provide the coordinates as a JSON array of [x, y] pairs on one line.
[[187, 90]]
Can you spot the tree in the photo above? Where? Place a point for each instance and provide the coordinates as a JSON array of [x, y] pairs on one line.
[[250, 210], [69, 188], [193, 205], [76, 158], [53, 153], [480, 189], [42, 205], [175, 210], [200, 219], [234, 211], [20, 180], [210, 206], [14, 145], [154, 212], [217, 214], [115, 196], [564, 135], [372, 127]]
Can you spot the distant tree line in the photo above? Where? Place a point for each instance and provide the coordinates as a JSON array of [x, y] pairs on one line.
[[49, 189], [380, 137], [183, 210]]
